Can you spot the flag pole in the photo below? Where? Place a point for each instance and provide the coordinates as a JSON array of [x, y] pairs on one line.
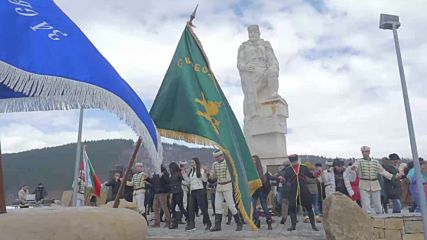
[[78, 159], [2, 194], [234, 138], [130, 164]]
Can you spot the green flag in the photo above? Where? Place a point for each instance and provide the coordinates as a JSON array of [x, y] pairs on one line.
[[191, 106]]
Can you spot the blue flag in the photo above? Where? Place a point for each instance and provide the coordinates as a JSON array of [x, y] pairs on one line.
[[47, 63]]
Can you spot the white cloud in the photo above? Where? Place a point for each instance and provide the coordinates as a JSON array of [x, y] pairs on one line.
[[338, 69]]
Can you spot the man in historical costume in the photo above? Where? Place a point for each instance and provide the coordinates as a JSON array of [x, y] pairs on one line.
[[295, 177], [81, 190], [224, 191], [138, 184], [368, 170], [259, 71]]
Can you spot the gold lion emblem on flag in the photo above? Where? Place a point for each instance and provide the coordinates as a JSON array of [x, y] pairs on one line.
[[211, 110]]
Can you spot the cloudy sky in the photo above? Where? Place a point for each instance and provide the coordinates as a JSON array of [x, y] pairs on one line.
[[338, 70]]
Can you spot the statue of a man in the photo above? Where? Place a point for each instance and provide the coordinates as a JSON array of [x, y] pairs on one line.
[[259, 72]]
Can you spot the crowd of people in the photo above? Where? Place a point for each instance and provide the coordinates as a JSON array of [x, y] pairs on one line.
[[179, 193]]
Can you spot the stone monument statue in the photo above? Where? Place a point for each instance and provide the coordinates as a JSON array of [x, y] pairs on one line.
[[264, 109]]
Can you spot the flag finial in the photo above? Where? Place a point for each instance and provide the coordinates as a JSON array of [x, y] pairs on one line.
[[193, 16]]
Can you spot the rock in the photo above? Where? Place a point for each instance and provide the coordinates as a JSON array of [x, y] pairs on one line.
[[66, 198], [343, 219], [84, 223], [123, 204]]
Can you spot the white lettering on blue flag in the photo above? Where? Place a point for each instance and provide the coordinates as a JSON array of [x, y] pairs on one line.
[[24, 8]]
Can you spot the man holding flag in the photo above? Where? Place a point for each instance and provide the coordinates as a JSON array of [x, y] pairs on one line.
[[224, 191], [191, 106], [138, 184]]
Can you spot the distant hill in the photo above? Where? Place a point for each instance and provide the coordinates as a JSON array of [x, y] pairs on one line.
[[54, 166]]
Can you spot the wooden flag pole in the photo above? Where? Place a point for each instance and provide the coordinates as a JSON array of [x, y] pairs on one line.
[[2, 195], [122, 184]]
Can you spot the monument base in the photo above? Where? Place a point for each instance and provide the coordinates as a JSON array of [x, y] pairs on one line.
[[265, 133]]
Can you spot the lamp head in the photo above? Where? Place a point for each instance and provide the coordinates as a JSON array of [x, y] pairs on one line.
[[388, 22]]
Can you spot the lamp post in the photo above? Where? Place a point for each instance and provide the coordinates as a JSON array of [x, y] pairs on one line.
[[391, 22]]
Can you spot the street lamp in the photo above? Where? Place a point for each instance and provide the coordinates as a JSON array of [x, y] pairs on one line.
[[391, 22]]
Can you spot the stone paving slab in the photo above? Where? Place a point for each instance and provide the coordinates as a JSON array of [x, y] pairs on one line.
[[279, 231]]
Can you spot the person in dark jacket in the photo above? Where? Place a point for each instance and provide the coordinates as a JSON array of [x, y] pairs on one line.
[[114, 184], [40, 192], [175, 187], [282, 193], [149, 196], [261, 193], [161, 191], [392, 188], [128, 192], [295, 177]]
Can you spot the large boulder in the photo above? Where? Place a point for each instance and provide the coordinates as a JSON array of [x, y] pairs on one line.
[[84, 223], [66, 199], [123, 204], [343, 219]]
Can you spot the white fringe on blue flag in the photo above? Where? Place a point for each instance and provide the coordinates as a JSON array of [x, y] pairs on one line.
[[56, 93]]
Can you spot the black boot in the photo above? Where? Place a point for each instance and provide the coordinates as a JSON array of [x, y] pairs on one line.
[[312, 220], [238, 222], [190, 226], [241, 218], [217, 226], [229, 216], [145, 216], [208, 225], [269, 221], [283, 221], [257, 223], [174, 223], [293, 221], [179, 218]]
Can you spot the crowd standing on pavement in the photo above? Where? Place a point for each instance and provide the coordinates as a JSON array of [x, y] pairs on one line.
[[179, 195]]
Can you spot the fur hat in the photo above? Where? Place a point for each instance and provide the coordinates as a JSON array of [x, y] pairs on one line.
[[394, 156], [338, 162], [293, 158]]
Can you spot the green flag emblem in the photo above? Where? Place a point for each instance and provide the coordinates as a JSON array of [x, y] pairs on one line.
[[191, 106]]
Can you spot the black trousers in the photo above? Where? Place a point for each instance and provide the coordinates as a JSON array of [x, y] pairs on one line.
[[199, 197], [177, 199]]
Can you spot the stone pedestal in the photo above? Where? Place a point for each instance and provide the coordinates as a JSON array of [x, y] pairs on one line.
[[266, 133]]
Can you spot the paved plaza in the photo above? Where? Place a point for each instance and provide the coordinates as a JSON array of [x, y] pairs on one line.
[[279, 231]]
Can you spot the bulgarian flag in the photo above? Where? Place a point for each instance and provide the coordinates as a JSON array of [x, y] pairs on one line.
[[90, 177]]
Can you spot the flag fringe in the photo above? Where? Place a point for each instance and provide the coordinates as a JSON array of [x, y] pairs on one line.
[[253, 185], [48, 93]]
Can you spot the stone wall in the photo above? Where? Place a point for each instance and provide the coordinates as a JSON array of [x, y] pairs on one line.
[[398, 227]]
